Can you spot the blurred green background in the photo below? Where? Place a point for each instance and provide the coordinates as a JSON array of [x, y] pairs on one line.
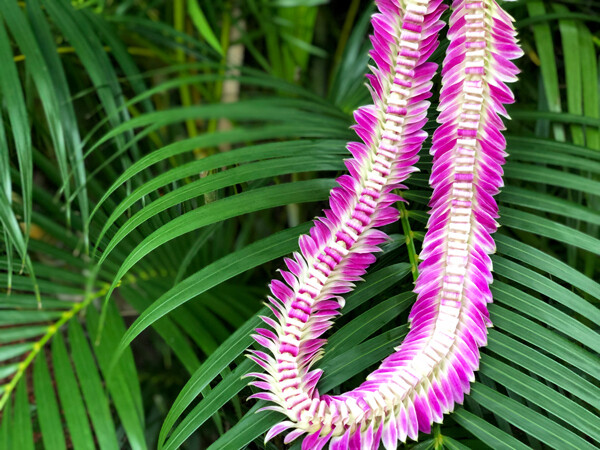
[[158, 158]]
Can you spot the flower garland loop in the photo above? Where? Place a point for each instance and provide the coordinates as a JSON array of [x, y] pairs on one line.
[[433, 367]]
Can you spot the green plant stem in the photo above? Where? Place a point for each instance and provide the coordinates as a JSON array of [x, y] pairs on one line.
[[438, 438], [65, 317], [225, 42], [39, 345], [184, 89], [410, 242]]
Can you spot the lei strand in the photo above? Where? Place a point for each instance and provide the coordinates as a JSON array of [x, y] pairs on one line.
[[433, 367]]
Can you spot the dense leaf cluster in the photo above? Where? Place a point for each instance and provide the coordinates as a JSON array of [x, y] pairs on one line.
[[151, 179]]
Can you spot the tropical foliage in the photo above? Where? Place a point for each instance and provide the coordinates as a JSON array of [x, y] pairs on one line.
[[159, 158]]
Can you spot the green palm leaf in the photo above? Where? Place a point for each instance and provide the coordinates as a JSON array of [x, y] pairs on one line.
[[140, 341]]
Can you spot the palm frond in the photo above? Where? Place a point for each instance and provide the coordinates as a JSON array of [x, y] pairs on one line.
[[138, 235]]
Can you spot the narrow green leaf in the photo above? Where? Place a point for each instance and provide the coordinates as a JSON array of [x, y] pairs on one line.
[[160, 28], [284, 111], [374, 284], [67, 119], [18, 333], [350, 335], [125, 60], [548, 340], [347, 89], [230, 386], [486, 432], [10, 226], [220, 180], [428, 444], [8, 370], [14, 104], [577, 158], [5, 180], [70, 396], [524, 143], [251, 256], [544, 366], [551, 177], [540, 394], [75, 27], [305, 47], [246, 202], [43, 80], [369, 322], [573, 73], [203, 26], [556, 16], [539, 310], [558, 117], [546, 52], [51, 426], [91, 387], [453, 444], [526, 419], [248, 428], [17, 317], [170, 333], [22, 429], [347, 364], [6, 430], [250, 77], [245, 154], [589, 70], [224, 308], [122, 379], [218, 331], [9, 261], [202, 238], [212, 367], [289, 149], [548, 204], [12, 351], [339, 369], [543, 285], [26, 283], [511, 247], [545, 227]]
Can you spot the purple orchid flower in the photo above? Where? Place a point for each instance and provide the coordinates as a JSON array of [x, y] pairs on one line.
[[433, 367]]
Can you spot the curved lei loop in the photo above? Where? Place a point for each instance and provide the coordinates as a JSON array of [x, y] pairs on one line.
[[433, 367]]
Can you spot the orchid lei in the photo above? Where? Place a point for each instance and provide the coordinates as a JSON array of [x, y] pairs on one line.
[[433, 367]]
